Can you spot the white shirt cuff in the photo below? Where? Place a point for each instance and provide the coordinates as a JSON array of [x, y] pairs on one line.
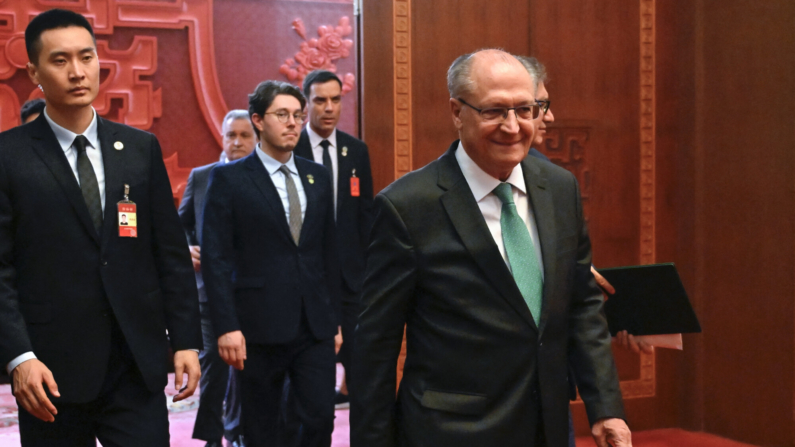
[[21, 358]]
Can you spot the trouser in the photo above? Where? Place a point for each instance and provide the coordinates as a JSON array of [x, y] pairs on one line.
[[124, 414], [310, 365], [217, 384]]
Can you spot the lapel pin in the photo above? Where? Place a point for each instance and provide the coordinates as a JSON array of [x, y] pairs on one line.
[[118, 145], [311, 179], [344, 151]]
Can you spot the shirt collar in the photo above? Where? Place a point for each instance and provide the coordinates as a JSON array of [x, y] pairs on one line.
[[272, 165], [66, 137], [315, 139], [479, 181]]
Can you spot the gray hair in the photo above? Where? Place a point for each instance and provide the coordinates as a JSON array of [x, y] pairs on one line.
[[459, 76], [236, 114], [459, 80], [534, 67]]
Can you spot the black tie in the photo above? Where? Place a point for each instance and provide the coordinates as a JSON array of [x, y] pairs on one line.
[[326, 156], [88, 182]]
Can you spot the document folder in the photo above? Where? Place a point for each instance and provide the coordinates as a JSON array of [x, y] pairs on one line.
[[649, 300]]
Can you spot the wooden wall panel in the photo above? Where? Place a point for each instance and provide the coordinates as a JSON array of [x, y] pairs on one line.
[[745, 202], [377, 102], [442, 30], [682, 405]]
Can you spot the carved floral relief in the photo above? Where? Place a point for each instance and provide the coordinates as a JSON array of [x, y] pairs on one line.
[[321, 53]]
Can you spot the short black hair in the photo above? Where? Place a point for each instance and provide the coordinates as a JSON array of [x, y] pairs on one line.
[[52, 19], [30, 108], [319, 77], [266, 92]]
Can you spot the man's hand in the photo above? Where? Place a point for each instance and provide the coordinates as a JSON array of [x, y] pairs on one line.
[[636, 343], [602, 282], [338, 340], [28, 377], [186, 361], [196, 257], [607, 432], [232, 348]]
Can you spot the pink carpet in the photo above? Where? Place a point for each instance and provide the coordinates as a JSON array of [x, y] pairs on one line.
[[183, 414], [181, 417]]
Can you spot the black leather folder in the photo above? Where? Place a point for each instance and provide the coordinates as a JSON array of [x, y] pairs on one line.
[[649, 300]]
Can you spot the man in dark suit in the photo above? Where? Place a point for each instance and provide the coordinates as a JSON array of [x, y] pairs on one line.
[[270, 271], [83, 310], [211, 419], [484, 256], [348, 160]]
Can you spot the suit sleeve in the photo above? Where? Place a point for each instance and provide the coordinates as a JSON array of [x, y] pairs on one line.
[[366, 198], [590, 352], [218, 253], [172, 260], [14, 338], [187, 214], [389, 288]]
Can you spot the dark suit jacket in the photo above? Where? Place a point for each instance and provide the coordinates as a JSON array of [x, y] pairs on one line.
[[190, 213], [61, 283], [477, 368], [257, 279], [354, 214]]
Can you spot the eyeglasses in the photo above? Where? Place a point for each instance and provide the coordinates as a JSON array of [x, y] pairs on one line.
[[283, 116], [544, 106], [499, 114]]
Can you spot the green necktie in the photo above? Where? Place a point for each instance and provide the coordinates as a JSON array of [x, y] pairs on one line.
[[521, 252]]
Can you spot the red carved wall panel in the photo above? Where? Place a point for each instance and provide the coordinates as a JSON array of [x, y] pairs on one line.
[[161, 72]]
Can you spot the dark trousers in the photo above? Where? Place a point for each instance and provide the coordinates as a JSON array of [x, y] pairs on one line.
[[310, 365], [351, 308], [289, 421], [217, 383], [124, 414]]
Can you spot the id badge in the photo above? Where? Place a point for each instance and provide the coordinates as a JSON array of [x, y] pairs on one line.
[[354, 184], [128, 222]]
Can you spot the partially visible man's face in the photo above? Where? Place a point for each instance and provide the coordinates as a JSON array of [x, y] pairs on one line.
[[325, 105], [68, 68], [497, 147], [239, 139], [31, 117], [281, 137], [547, 118]]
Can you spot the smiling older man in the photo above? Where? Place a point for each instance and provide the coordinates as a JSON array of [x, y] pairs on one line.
[[485, 257]]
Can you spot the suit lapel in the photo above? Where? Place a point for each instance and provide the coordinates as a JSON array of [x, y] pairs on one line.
[[49, 150], [262, 179], [113, 160], [463, 210], [544, 211]]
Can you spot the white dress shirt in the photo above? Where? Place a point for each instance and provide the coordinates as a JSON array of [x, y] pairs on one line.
[[65, 138], [482, 185], [280, 181], [317, 152]]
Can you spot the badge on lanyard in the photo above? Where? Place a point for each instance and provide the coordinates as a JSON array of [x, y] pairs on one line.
[[128, 223], [354, 184]]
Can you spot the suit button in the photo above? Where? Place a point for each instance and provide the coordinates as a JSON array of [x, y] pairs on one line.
[[104, 263]]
